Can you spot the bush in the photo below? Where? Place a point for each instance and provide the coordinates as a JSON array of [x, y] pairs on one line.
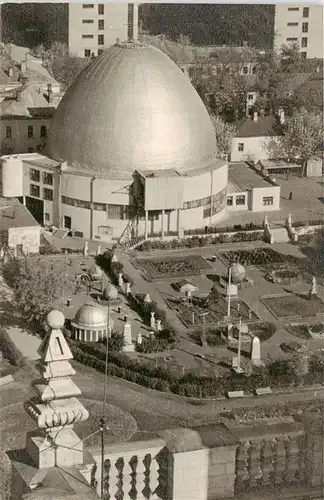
[[9, 350]]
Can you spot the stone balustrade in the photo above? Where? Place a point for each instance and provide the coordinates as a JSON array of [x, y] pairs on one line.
[[223, 461]]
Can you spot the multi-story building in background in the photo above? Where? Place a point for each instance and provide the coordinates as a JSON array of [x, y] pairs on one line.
[[95, 27], [302, 24]]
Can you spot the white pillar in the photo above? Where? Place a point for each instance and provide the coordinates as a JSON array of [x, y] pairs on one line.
[[146, 224], [162, 224], [178, 221]]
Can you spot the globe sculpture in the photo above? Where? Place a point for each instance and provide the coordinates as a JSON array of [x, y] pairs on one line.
[[237, 273], [110, 292], [95, 272]]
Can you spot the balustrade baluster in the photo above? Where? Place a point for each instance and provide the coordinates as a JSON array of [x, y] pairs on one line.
[[241, 466], [128, 478], [267, 463], [292, 460], [254, 464], [140, 479], [280, 461], [115, 480], [153, 476]]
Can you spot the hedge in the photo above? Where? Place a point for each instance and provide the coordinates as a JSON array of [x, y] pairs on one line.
[[278, 374], [9, 350], [199, 241]]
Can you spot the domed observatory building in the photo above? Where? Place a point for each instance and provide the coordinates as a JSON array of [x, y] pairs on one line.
[[132, 150]]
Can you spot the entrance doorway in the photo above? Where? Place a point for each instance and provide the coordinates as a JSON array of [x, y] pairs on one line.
[[67, 222], [36, 208]]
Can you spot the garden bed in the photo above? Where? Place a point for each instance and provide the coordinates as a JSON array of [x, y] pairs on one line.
[[217, 310], [172, 267], [260, 257], [293, 305]]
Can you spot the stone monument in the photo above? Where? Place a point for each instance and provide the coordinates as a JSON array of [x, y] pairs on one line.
[[152, 321], [313, 290], [139, 339], [158, 325], [127, 333], [86, 249], [120, 280], [255, 353], [128, 288], [147, 299], [98, 252], [114, 258]]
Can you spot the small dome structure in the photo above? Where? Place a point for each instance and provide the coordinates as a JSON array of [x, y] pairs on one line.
[[237, 273], [110, 292], [95, 272], [90, 323]]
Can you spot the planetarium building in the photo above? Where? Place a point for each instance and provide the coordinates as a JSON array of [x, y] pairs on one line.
[[131, 148]]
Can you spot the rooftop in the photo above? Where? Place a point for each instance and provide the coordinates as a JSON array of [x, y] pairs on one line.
[[264, 126], [241, 177], [33, 102], [14, 214]]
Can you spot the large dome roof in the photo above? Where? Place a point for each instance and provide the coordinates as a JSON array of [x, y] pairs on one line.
[[132, 108]]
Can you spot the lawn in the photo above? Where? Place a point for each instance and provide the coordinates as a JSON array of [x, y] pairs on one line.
[[260, 257], [293, 305], [217, 310], [172, 267]]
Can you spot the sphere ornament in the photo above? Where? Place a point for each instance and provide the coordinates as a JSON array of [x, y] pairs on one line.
[[110, 292], [55, 320], [237, 273]]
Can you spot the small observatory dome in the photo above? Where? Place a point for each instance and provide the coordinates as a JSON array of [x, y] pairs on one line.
[[90, 323]]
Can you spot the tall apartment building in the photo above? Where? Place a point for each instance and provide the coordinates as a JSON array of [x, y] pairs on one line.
[[302, 24], [95, 27]]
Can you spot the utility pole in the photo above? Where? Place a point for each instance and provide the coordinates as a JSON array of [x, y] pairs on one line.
[[238, 368], [203, 331], [103, 426], [229, 292]]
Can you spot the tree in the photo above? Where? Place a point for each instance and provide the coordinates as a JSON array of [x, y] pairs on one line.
[[303, 135], [290, 58], [66, 69], [37, 286], [224, 133]]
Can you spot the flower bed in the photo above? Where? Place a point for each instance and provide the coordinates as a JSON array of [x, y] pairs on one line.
[[293, 305], [172, 267], [200, 241], [260, 257], [285, 276], [217, 310], [213, 337], [300, 331]]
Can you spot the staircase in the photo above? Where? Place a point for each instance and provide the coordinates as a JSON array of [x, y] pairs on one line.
[[280, 233], [127, 239]]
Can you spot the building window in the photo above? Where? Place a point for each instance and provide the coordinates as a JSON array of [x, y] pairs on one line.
[[295, 9], [305, 28], [30, 131], [47, 179], [230, 201], [48, 194], [87, 21], [100, 206], [250, 97], [254, 70], [76, 203], [304, 42], [240, 146], [303, 55], [206, 213], [306, 12], [101, 40], [115, 212], [34, 175], [245, 70], [88, 6], [47, 217], [101, 24], [267, 200], [101, 9], [34, 190], [30, 150], [8, 132], [87, 36], [43, 131], [240, 199], [292, 24], [291, 39], [67, 222], [87, 53], [100, 51]]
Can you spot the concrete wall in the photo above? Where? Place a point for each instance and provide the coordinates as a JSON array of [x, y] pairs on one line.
[[283, 16], [255, 148], [257, 199], [19, 142], [28, 237]]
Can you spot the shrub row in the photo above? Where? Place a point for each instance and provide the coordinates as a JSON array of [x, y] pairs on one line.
[[113, 269], [199, 241], [278, 374], [250, 226], [9, 350]]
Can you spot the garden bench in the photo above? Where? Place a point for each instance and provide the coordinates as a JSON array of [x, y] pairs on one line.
[[235, 394], [6, 380], [262, 391]]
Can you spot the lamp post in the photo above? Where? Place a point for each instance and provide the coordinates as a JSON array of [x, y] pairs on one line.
[[203, 332], [229, 292], [103, 427]]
